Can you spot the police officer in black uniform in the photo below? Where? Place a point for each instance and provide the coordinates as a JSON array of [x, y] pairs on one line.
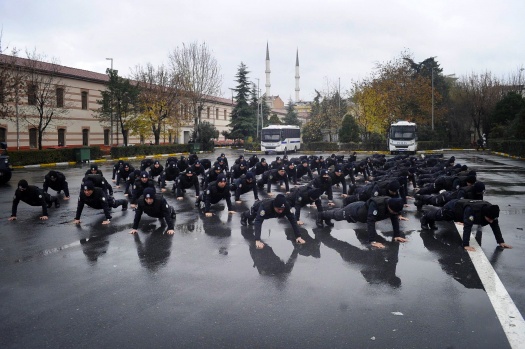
[[468, 212], [304, 169], [96, 198], [56, 181], [244, 185], [260, 167], [238, 170], [374, 210], [266, 209], [338, 177], [141, 183], [93, 169], [216, 191], [303, 196], [275, 176], [185, 181], [212, 175], [171, 172], [99, 182], [154, 205], [124, 172], [116, 167], [324, 182], [33, 196]]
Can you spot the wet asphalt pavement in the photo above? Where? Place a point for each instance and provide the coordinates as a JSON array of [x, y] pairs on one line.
[[89, 286]]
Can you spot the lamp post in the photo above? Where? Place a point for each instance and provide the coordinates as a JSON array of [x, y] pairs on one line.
[[111, 109], [432, 98], [258, 102]]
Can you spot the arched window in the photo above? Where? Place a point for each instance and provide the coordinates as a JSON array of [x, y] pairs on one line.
[[61, 137]]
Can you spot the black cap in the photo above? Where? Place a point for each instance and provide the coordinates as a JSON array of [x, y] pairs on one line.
[[94, 167], [279, 201], [479, 187], [88, 185], [249, 175], [22, 184], [144, 174], [149, 193], [491, 211], [52, 174], [396, 204], [394, 186], [324, 172], [221, 178]]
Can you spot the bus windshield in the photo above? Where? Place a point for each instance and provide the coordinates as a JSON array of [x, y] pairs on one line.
[[271, 135], [402, 132]]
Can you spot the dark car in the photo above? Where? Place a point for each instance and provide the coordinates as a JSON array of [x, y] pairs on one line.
[[5, 166]]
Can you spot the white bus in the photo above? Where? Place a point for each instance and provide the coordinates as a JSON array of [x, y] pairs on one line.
[[402, 137], [281, 138]]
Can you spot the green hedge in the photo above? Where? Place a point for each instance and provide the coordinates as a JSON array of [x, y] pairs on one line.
[[320, 146], [511, 147], [142, 150], [252, 146], [48, 156]]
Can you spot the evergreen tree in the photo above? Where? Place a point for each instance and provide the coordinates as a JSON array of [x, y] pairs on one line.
[[244, 118], [291, 115], [265, 111], [274, 120], [349, 131]]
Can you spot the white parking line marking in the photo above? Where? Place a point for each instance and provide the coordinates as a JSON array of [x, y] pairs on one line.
[[509, 316]]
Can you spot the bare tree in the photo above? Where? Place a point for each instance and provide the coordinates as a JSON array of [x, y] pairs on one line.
[[159, 100], [476, 95], [46, 93], [199, 74]]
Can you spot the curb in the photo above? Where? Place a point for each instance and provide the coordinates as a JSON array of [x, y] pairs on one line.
[[73, 163]]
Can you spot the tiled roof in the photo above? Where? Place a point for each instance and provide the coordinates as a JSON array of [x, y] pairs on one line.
[[80, 74]]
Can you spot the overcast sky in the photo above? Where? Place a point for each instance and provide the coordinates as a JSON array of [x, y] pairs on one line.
[[336, 39]]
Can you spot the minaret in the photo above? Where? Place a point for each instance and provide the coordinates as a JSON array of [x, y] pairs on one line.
[[297, 77], [267, 71]]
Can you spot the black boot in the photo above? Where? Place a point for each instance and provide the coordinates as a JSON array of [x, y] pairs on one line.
[[173, 213], [244, 219], [319, 221], [419, 205], [424, 222], [57, 203], [327, 216]]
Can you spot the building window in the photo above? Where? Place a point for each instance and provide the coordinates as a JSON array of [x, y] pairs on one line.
[[106, 137], [85, 137], [3, 134], [60, 97], [208, 112], [33, 138], [61, 137], [217, 113], [31, 94], [84, 100], [224, 114]]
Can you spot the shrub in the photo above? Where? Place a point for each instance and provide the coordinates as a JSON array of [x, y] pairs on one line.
[[320, 146], [142, 150]]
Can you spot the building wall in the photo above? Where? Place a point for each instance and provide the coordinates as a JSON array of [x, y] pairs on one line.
[[77, 120]]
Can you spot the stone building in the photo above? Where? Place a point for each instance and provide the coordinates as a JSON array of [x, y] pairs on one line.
[[73, 100]]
